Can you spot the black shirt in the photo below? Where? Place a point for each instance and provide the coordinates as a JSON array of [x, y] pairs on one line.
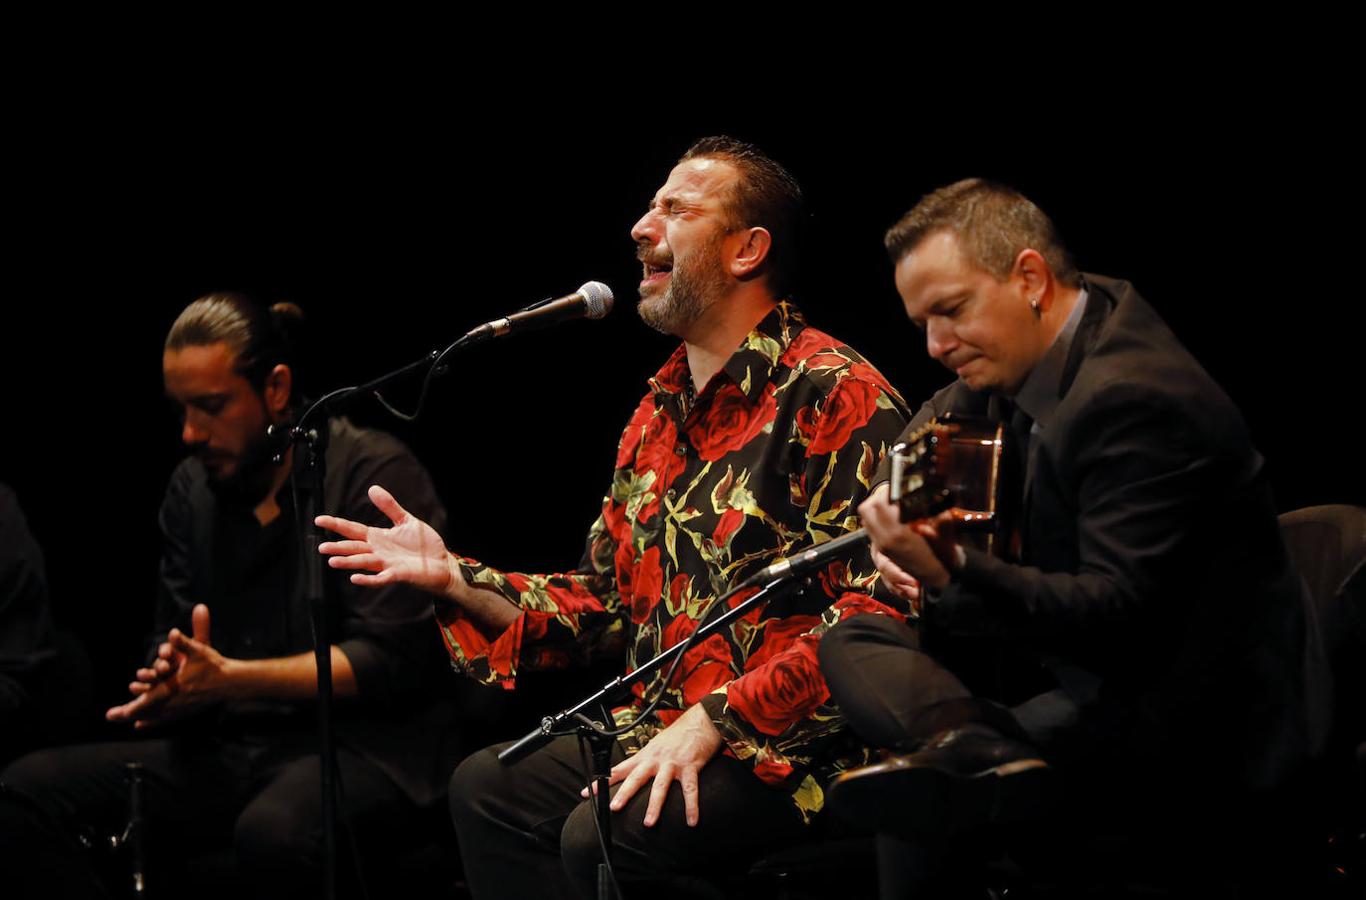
[[216, 552]]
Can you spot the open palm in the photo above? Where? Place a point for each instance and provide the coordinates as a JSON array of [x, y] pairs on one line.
[[409, 552]]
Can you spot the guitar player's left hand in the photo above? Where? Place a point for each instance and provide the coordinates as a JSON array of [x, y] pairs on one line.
[[924, 549]]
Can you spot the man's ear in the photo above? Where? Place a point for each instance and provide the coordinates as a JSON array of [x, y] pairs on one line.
[[279, 384], [749, 250], [1035, 279]]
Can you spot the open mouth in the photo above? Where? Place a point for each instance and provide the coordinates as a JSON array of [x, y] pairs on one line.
[[655, 272]]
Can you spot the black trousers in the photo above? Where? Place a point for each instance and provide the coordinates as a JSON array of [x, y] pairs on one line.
[[895, 695], [525, 831], [202, 793], [1153, 814]]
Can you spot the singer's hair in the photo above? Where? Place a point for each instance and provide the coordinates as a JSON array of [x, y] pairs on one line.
[[764, 195], [992, 223], [260, 338]]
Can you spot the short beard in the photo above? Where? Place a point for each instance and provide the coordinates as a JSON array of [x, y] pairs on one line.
[[251, 480], [694, 285]]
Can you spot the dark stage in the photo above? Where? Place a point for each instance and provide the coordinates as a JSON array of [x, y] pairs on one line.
[[398, 229]]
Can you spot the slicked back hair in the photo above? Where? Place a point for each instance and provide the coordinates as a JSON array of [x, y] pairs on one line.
[[764, 195], [992, 223], [260, 338]]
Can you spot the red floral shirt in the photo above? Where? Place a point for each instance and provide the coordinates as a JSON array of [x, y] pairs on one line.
[[774, 455]]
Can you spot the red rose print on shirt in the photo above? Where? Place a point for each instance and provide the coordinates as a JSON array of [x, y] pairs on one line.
[[848, 408], [732, 422], [647, 586], [787, 688]]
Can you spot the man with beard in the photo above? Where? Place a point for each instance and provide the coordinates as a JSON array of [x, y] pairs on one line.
[[757, 439], [237, 758]]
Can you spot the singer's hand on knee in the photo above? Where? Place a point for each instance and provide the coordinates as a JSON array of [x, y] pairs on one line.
[[408, 552], [678, 753]]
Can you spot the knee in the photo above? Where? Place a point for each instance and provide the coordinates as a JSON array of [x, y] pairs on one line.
[[872, 628], [68, 783], [842, 646], [277, 833], [477, 779], [580, 851], [659, 860], [32, 774]]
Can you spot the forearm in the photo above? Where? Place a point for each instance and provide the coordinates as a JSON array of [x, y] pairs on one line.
[[554, 620], [285, 678], [490, 611]]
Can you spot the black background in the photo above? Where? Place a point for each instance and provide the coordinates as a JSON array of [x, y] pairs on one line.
[[399, 216]]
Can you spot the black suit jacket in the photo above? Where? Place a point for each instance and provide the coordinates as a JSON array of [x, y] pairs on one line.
[[1154, 587]]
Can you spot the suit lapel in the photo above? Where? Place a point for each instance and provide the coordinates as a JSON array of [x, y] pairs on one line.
[[1098, 306]]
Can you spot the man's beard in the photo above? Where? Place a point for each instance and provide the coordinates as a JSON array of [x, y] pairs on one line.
[[694, 285], [251, 479]]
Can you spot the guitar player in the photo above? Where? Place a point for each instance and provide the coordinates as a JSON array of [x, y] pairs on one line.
[[1139, 632]]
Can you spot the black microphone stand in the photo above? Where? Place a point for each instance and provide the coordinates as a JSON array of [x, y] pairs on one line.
[[601, 738], [308, 439], [309, 472]]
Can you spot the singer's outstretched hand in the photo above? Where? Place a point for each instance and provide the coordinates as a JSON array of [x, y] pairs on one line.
[[410, 552]]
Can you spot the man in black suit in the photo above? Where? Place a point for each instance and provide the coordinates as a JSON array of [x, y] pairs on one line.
[[1151, 619]]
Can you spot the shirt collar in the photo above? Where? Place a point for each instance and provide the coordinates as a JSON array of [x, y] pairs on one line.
[[1038, 397], [752, 364]]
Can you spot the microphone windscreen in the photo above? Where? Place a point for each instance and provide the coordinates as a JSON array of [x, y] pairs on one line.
[[597, 299]]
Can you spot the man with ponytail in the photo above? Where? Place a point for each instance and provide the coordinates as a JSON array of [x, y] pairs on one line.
[[225, 694]]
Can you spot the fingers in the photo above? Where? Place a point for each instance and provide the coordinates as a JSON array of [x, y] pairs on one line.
[[379, 580], [343, 548], [875, 504], [152, 698], [687, 780], [632, 783], [619, 771], [907, 590], [359, 561], [199, 622], [344, 527], [623, 768], [661, 778], [128, 710], [185, 644], [896, 578], [658, 791], [385, 503]]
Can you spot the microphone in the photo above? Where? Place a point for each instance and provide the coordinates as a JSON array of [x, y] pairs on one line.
[[592, 301], [807, 560]]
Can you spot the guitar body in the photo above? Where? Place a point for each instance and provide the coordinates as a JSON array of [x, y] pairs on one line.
[[962, 464]]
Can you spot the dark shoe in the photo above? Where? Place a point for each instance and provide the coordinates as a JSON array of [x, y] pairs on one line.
[[959, 779]]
